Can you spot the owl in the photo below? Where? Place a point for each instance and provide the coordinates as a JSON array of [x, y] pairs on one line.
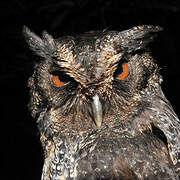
[[100, 109]]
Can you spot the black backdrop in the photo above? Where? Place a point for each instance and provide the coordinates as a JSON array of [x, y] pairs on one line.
[[22, 155]]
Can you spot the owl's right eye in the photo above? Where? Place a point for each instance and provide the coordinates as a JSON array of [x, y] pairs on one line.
[[60, 78]]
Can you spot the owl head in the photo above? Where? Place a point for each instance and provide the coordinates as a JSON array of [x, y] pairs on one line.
[[92, 80]]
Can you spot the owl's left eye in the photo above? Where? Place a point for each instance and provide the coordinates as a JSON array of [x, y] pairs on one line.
[[60, 78], [122, 70]]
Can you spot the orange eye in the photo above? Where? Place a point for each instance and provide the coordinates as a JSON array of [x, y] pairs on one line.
[[122, 70], [57, 81], [60, 78]]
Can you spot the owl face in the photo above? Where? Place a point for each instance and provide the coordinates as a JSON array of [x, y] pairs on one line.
[[82, 82]]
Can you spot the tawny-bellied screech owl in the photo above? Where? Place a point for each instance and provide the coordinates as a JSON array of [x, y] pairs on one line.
[[100, 108]]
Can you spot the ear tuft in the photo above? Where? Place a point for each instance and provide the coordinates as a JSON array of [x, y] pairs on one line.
[[44, 47], [138, 37]]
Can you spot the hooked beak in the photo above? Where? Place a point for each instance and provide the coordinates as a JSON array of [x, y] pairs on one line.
[[97, 110]]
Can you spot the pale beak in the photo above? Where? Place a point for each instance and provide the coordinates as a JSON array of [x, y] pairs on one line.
[[97, 110]]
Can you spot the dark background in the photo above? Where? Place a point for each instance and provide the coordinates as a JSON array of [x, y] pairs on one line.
[[22, 155]]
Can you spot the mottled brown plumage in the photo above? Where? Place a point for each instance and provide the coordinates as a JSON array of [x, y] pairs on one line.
[[100, 108]]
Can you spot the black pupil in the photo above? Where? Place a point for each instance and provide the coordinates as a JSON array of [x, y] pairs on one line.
[[119, 69], [62, 76]]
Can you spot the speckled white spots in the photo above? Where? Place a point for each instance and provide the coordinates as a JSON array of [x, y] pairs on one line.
[[58, 167]]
